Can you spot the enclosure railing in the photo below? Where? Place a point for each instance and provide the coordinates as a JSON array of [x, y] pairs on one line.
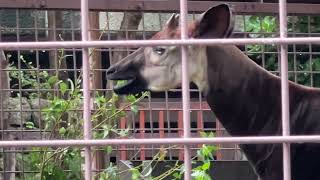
[[87, 142]]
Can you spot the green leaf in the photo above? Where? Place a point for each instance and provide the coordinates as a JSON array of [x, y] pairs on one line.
[[177, 175], [135, 174], [209, 134], [29, 125], [105, 133], [62, 131], [53, 80], [316, 64], [108, 149], [131, 98], [121, 82], [111, 172], [269, 24], [55, 173], [200, 175], [63, 87], [203, 134], [205, 166], [123, 132], [74, 163], [134, 109], [206, 152]]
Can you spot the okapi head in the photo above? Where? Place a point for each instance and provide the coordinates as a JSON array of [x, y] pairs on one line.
[[159, 68]]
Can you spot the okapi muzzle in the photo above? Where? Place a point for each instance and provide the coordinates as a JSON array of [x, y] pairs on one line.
[[129, 69]]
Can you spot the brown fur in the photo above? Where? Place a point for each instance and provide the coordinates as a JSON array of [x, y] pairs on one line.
[[169, 33]]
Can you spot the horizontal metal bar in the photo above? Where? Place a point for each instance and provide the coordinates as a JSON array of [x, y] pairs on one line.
[[171, 90], [137, 43], [166, 141], [158, 5], [18, 130]]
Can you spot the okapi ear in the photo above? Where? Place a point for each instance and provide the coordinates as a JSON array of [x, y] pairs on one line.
[[173, 21], [216, 22]]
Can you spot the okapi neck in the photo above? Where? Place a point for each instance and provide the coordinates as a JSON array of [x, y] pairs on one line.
[[245, 98]]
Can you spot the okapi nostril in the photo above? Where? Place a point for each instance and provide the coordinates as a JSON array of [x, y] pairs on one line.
[[111, 71]]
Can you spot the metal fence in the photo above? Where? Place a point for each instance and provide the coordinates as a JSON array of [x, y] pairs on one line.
[[183, 113]]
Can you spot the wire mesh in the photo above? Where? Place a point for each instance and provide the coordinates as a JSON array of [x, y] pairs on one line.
[[159, 115]]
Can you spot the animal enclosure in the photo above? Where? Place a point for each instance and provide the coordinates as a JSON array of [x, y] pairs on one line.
[[61, 120]]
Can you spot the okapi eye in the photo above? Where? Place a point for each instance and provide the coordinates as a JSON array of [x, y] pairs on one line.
[[159, 50]]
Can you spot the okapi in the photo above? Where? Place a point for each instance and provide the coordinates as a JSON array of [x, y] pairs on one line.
[[245, 97]]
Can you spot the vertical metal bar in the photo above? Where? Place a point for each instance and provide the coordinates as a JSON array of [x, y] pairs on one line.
[[284, 90], [2, 124], [310, 53], [142, 134], [123, 148], [295, 71], [86, 86], [263, 61], [168, 121], [219, 133], [185, 89], [150, 120], [132, 121], [200, 122], [109, 48], [180, 133], [36, 34], [74, 60], [20, 94], [161, 125]]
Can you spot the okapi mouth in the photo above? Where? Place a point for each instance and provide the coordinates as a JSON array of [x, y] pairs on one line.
[[132, 85], [123, 84]]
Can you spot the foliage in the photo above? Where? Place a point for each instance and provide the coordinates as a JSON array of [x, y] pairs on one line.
[[203, 164], [27, 78], [202, 161], [305, 67], [55, 166], [63, 120], [256, 24], [205, 154]]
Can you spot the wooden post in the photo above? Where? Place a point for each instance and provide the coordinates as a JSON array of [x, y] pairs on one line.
[[96, 81], [9, 158], [55, 19]]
